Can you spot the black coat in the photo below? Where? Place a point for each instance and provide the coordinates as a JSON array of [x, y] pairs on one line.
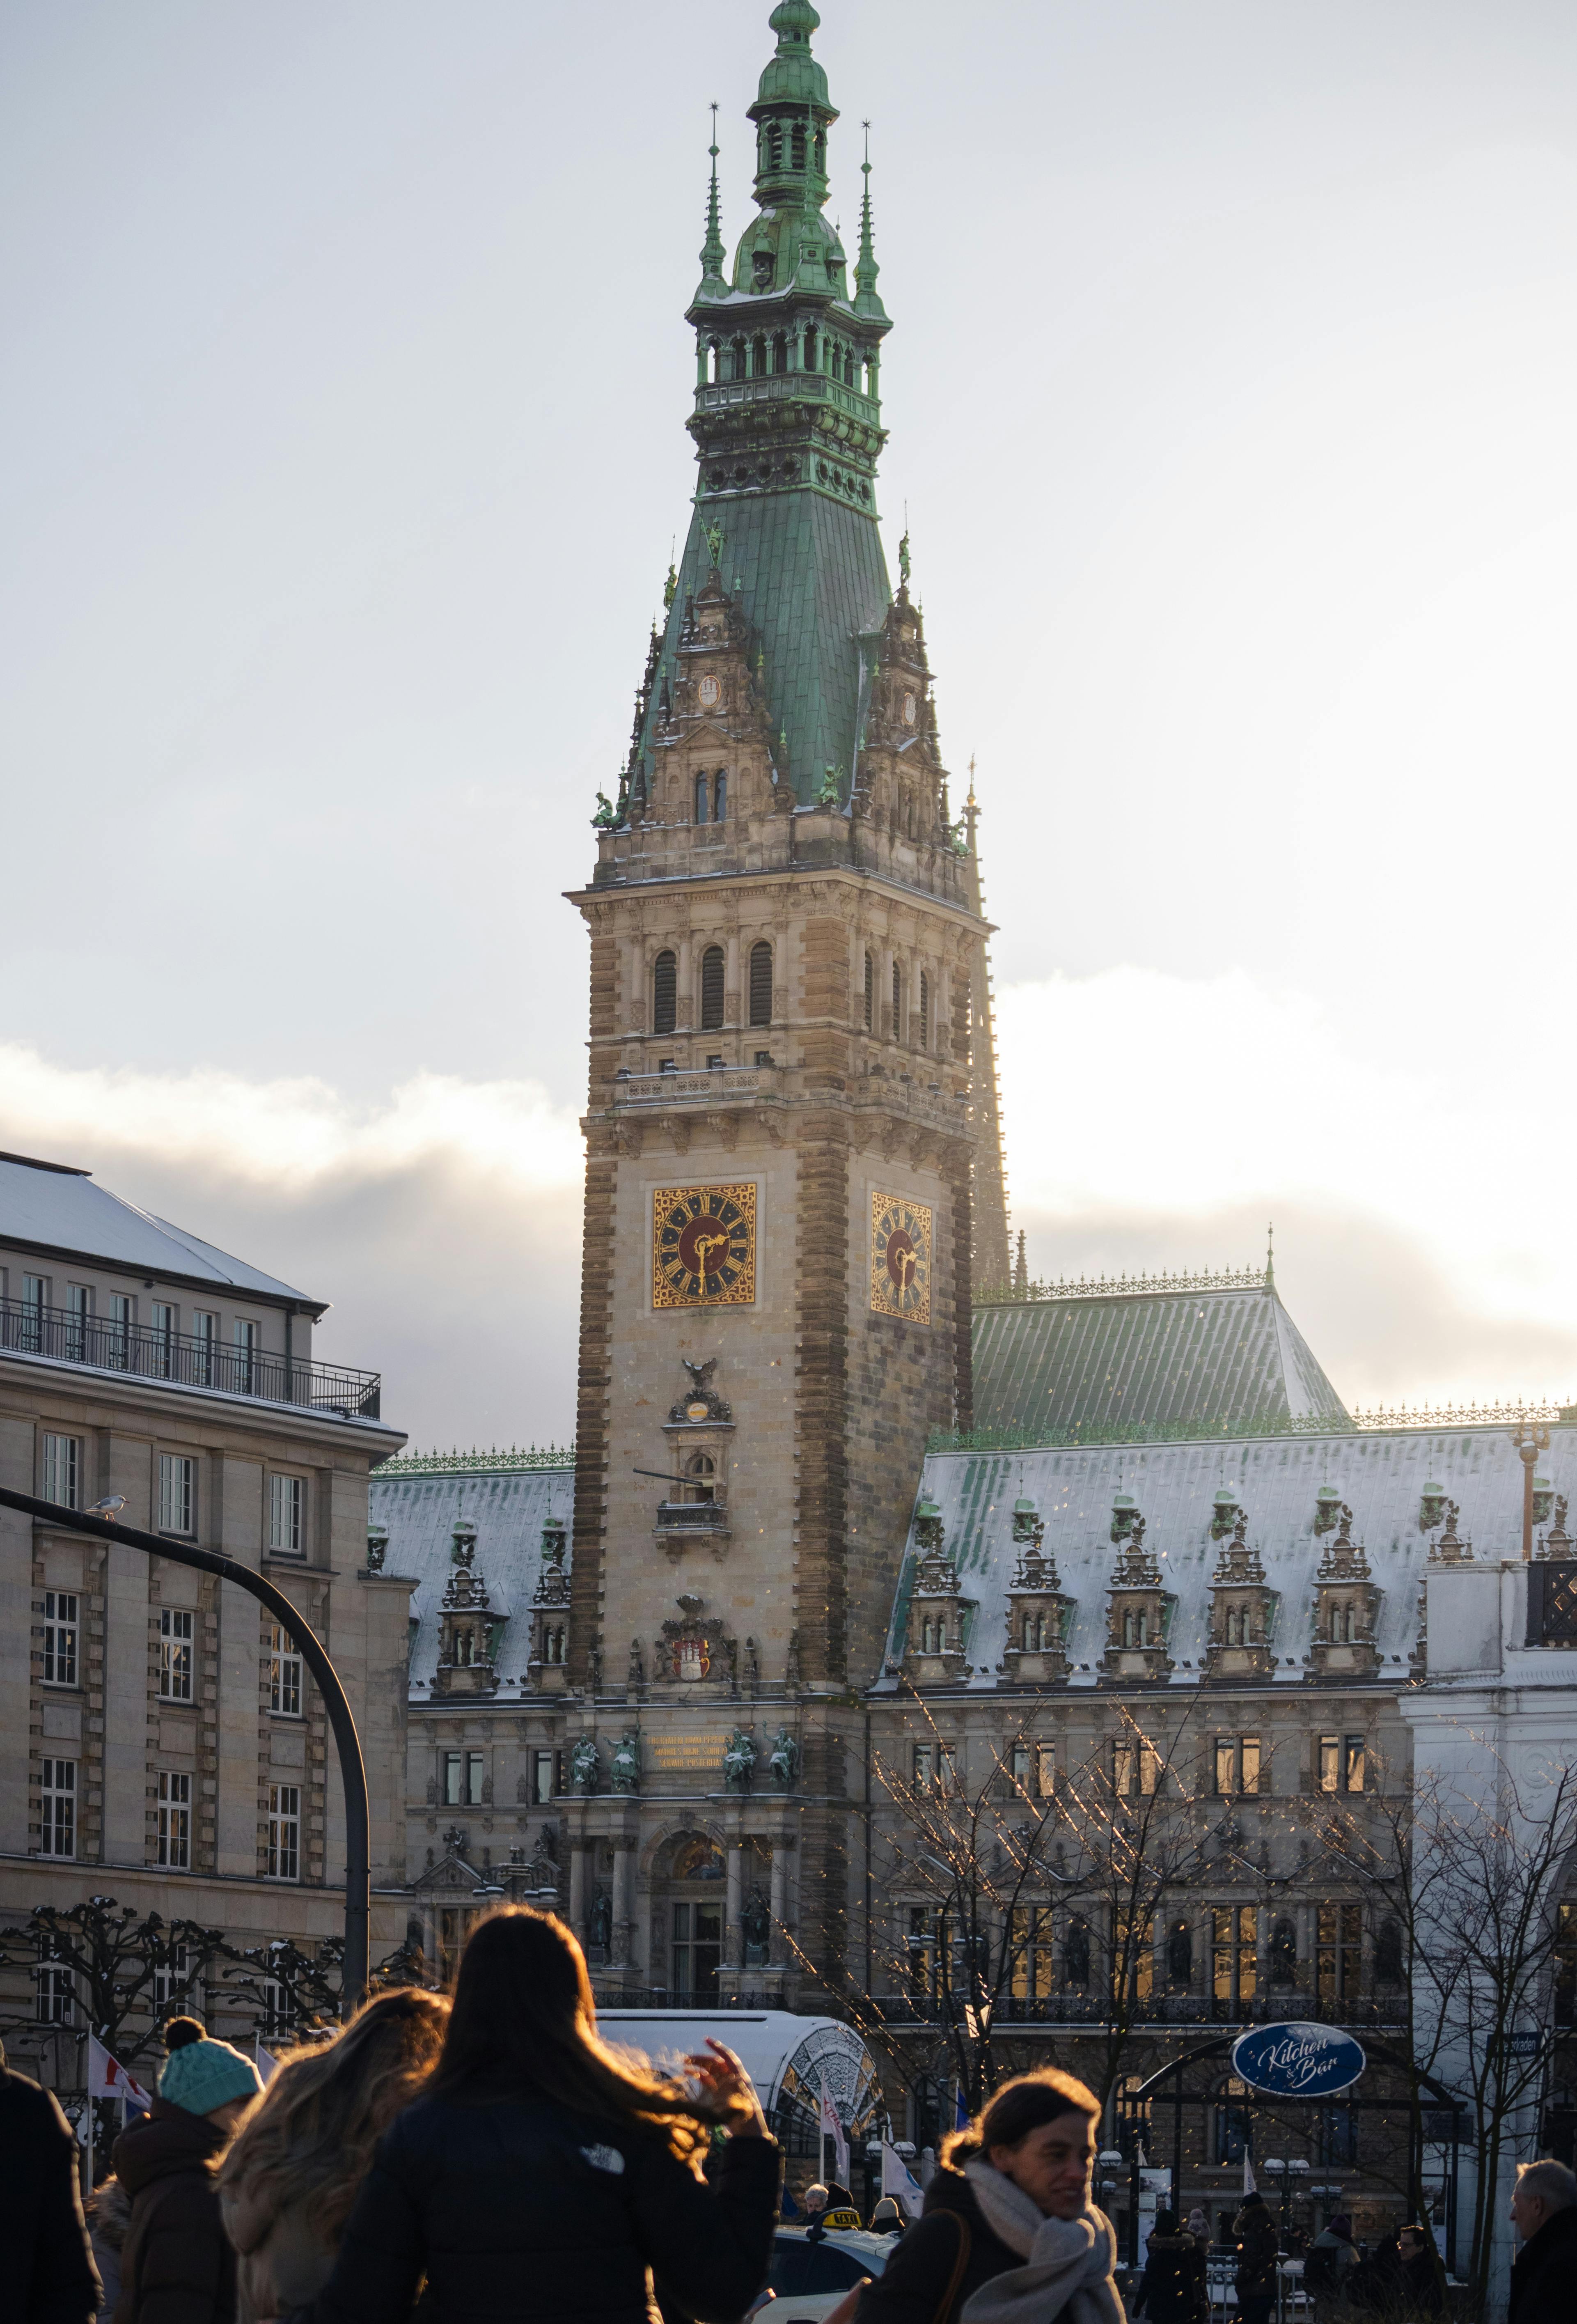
[[1542, 2275], [1257, 2245], [50, 2275], [1174, 2288], [521, 2207], [176, 2266], [913, 2286]]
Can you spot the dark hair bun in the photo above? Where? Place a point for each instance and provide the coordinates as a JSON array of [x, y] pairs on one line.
[[180, 2033]]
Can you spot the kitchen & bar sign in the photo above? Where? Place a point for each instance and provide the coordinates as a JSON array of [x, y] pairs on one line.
[[1305, 2060]]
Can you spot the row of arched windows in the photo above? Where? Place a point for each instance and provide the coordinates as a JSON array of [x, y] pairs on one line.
[[777, 142], [920, 1024], [712, 797], [665, 987]]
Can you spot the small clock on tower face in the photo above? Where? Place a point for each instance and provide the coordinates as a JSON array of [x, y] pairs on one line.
[[703, 1246], [900, 1258]]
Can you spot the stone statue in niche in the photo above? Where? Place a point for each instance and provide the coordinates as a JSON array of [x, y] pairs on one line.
[[756, 1926], [600, 1922], [784, 1762], [739, 1760], [583, 1765], [627, 1764]]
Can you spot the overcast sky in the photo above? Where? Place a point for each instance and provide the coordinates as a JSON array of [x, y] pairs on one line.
[[343, 381]]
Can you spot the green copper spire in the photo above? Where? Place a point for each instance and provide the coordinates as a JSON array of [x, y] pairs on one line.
[[867, 300], [712, 285]]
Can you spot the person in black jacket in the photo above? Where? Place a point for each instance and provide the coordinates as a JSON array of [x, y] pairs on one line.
[[1037, 2134], [544, 2174], [1172, 2288], [50, 2275], [1544, 2211]]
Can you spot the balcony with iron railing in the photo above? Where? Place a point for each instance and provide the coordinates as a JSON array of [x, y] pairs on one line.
[[927, 2010], [59, 1335]]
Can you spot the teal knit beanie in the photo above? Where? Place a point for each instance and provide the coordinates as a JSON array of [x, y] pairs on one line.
[[200, 2075]]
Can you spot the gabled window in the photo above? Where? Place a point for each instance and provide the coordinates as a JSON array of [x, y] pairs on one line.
[[664, 993], [712, 965], [761, 983]]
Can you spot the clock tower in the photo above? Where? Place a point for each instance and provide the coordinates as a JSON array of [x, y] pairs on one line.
[[787, 955]]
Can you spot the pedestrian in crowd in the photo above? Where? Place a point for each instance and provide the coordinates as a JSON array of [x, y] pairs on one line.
[[287, 2184], [1254, 2234], [1376, 2283], [109, 2221], [1331, 2260], [542, 2173], [887, 2219], [1544, 2274], [50, 2276], [1199, 2226], [176, 2266], [1008, 2234], [1172, 2290], [813, 2203], [1420, 2290]]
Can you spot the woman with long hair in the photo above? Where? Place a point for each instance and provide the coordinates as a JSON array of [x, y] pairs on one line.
[[543, 2173], [287, 2185], [1008, 2234]]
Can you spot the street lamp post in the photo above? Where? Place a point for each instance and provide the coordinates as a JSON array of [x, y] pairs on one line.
[[347, 1741], [1531, 1438]]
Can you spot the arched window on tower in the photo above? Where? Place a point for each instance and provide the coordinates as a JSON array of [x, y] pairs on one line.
[[712, 988], [897, 1002], [820, 150], [701, 1471], [779, 352], [701, 790], [799, 145], [665, 988], [775, 145], [870, 989], [810, 356], [720, 796], [761, 983], [924, 1010]]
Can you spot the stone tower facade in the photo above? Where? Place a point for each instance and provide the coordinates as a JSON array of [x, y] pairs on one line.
[[785, 944]]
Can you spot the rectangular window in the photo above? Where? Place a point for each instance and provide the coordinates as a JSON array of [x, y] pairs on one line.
[[1237, 1765], [161, 1315], [1044, 1771], [176, 1479], [58, 1822], [284, 1831], [170, 1983], [921, 1941], [55, 1996], [1330, 1763], [246, 1336], [62, 1465], [1135, 1769], [174, 1820], [79, 1309], [60, 1622], [123, 1314], [204, 1331], [462, 1779], [1234, 1956], [284, 1674], [1352, 1763], [924, 1766], [1034, 1960], [1338, 1953], [544, 1775], [1133, 1958], [175, 1653], [35, 1299], [284, 1515]]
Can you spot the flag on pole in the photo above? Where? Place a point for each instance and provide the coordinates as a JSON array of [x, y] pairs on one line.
[[268, 2065], [900, 2182], [109, 2079], [833, 2129], [1249, 2186], [960, 2111]]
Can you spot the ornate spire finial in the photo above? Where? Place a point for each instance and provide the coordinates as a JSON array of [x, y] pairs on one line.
[[867, 301], [713, 254], [1270, 1256]]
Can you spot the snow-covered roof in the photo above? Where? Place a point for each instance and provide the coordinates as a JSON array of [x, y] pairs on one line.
[[62, 1209], [508, 1507], [1379, 1475]]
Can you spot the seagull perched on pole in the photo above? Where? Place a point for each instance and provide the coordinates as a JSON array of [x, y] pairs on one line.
[[110, 1506]]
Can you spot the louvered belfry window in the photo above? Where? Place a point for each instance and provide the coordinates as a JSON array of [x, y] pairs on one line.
[[924, 1010], [664, 992], [870, 989], [761, 983], [711, 987], [897, 1002]]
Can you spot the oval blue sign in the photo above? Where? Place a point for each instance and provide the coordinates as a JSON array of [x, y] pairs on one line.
[[1302, 2061]]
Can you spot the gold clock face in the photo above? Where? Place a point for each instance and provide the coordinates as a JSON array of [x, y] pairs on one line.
[[900, 1258], [703, 1246]]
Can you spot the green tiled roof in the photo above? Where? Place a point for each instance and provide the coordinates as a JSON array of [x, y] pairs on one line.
[[810, 577], [1216, 1361]]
